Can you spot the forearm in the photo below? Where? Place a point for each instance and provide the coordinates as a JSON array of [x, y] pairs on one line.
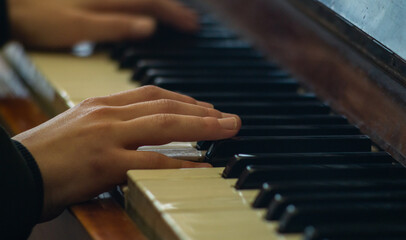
[[4, 23], [21, 184]]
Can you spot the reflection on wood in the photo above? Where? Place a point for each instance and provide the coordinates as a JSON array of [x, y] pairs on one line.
[[105, 219], [20, 114]]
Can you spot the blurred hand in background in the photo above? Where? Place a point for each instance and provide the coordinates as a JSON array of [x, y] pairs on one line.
[[63, 23]]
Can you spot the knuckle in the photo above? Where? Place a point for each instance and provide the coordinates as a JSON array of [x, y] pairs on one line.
[[94, 101], [209, 123], [213, 112], [164, 121], [190, 100], [88, 102], [166, 105], [150, 91], [101, 112], [218, 113], [206, 111]]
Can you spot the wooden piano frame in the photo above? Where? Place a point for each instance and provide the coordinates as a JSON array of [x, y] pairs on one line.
[[367, 90]]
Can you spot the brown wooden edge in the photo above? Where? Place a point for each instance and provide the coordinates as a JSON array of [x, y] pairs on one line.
[[105, 219]]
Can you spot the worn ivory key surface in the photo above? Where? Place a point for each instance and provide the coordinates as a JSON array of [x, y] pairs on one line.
[[194, 204]]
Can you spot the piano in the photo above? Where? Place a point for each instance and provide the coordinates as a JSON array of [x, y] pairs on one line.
[[320, 89]]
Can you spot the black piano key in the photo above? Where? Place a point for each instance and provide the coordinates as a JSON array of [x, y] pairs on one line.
[[162, 41], [206, 64], [289, 130], [292, 119], [176, 75], [360, 231], [207, 19], [284, 85], [169, 38], [214, 32], [131, 57], [239, 163], [221, 151], [296, 219], [166, 36], [204, 44], [297, 130], [207, 32], [184, 84], [217, 31], [258, 108], [174, 82], [167, 31], [204, 29], [119, 49], [254, 176], [269, 191], [152, 74], [143, 65], [279, 204], [250, 97]]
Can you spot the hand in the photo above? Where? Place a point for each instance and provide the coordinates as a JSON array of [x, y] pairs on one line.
[[63, 23], [88, 149]]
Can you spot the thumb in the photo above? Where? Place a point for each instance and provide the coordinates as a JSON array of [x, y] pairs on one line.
[[113, 27], [152, 160]]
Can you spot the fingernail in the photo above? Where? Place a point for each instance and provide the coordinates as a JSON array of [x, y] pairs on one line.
[[229, 123], [227, 115]]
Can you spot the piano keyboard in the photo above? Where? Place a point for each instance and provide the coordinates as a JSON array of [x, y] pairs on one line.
[[296, 170], [194, 204]]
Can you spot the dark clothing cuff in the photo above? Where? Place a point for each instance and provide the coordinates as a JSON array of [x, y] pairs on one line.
[[21, 184], [4, 23], [33, 166]]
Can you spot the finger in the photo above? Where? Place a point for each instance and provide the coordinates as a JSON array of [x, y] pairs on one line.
[[205, 104], [160, 106], [164, 128], [129, 159], [168, 11], [114, 27], [149, 93], [152, 160]]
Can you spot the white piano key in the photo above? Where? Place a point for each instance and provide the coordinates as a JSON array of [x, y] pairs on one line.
[[195, 204]]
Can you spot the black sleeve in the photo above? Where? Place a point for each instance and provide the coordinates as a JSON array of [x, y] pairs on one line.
[[4, 24], [21, 189]]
